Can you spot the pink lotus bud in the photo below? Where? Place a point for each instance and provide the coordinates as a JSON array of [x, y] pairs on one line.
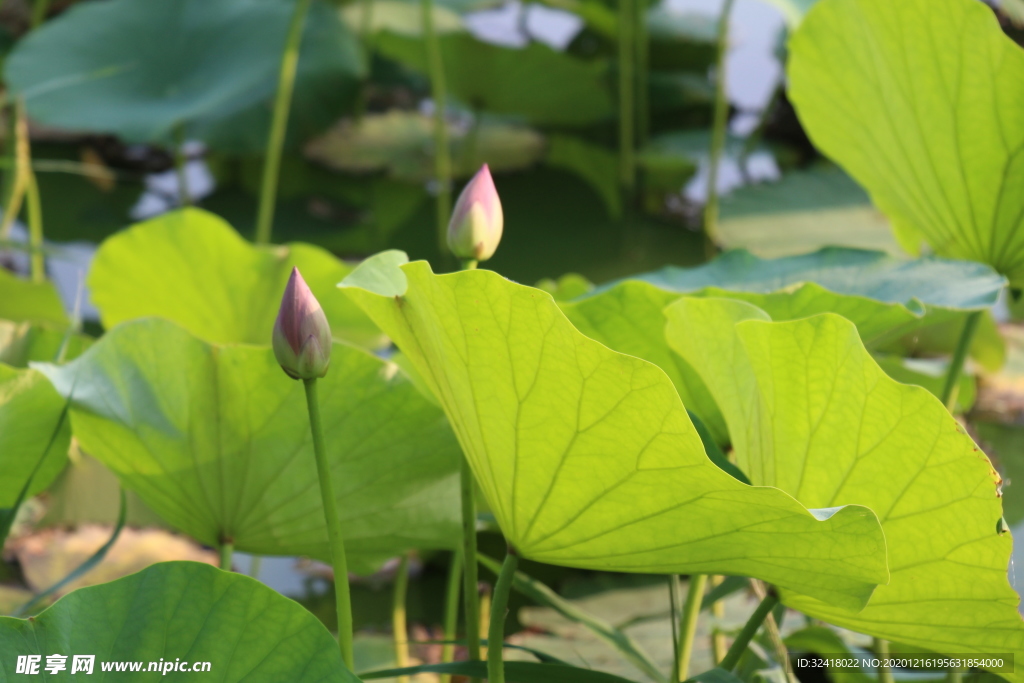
[[302, 337], [475, 229]]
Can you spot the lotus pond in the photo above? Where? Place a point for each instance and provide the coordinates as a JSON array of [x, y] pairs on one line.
[[351, 341]]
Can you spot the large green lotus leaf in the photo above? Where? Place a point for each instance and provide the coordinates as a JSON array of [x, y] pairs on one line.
[[536, 82], [109, 67], [216, 440], [922, 101], [23, 300], [586, 456], [811, 412], [191, 267], [185, 611], [32, 427]]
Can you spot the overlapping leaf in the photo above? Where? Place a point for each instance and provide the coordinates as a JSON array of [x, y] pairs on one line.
[[32, 433], [216, 440], [23, 300], [809, 411], [586, 456], [175, 612], [141, 70], [885, 297], [922, 101], [191, 267]]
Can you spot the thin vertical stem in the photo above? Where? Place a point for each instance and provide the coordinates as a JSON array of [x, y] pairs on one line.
[[451, 612], [956, 365], [673, 610], [279, 122], [882, 651], [721, 112], [732, 657], [338, 559], [254, 566], [499, 611], [227, 552], [643, 59], [470, 575], [399, 628], [180, 163], [688, 624], [627, 93], [35, 226], [719, 645], [39, 10], [442, 154]]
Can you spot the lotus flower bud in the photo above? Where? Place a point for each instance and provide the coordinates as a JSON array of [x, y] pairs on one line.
[[475, 229], [302, 337]]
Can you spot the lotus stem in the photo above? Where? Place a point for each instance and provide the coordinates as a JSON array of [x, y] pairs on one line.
[[227, 553], [254, 566], [732, 657], [673, 613], [180, 162], [499, 611], [442, 154], [718, 642], [688, 625], [721, 111], [627, 93], [956, 365], [35, 226], [881, 648], [342, 595], [470, 573], [451, 612], [39, 10], [279, 122], [643, 60], [399, 629]]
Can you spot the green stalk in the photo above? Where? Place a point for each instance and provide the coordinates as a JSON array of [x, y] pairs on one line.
[[718, 642], [39, 10], [673, 613], [442, 154], [882, 650], [643, 61], [337, 543], [279, 122], [451, 612], [470, 575], [227, 552], [732, 657], [627, 93], [254, 566], [35, 228], [688, 624], [499, 610], [399, 628], [721, 113], [184, 196], [956, 365]]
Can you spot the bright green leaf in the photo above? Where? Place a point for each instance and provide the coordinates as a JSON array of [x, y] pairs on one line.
[[922, 101], [22, 300], [184, 611], [537, 82], [31, 412], [216, 440], [587, 457], [191, 267], [25, 342], [810, 412], [109, 67]]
